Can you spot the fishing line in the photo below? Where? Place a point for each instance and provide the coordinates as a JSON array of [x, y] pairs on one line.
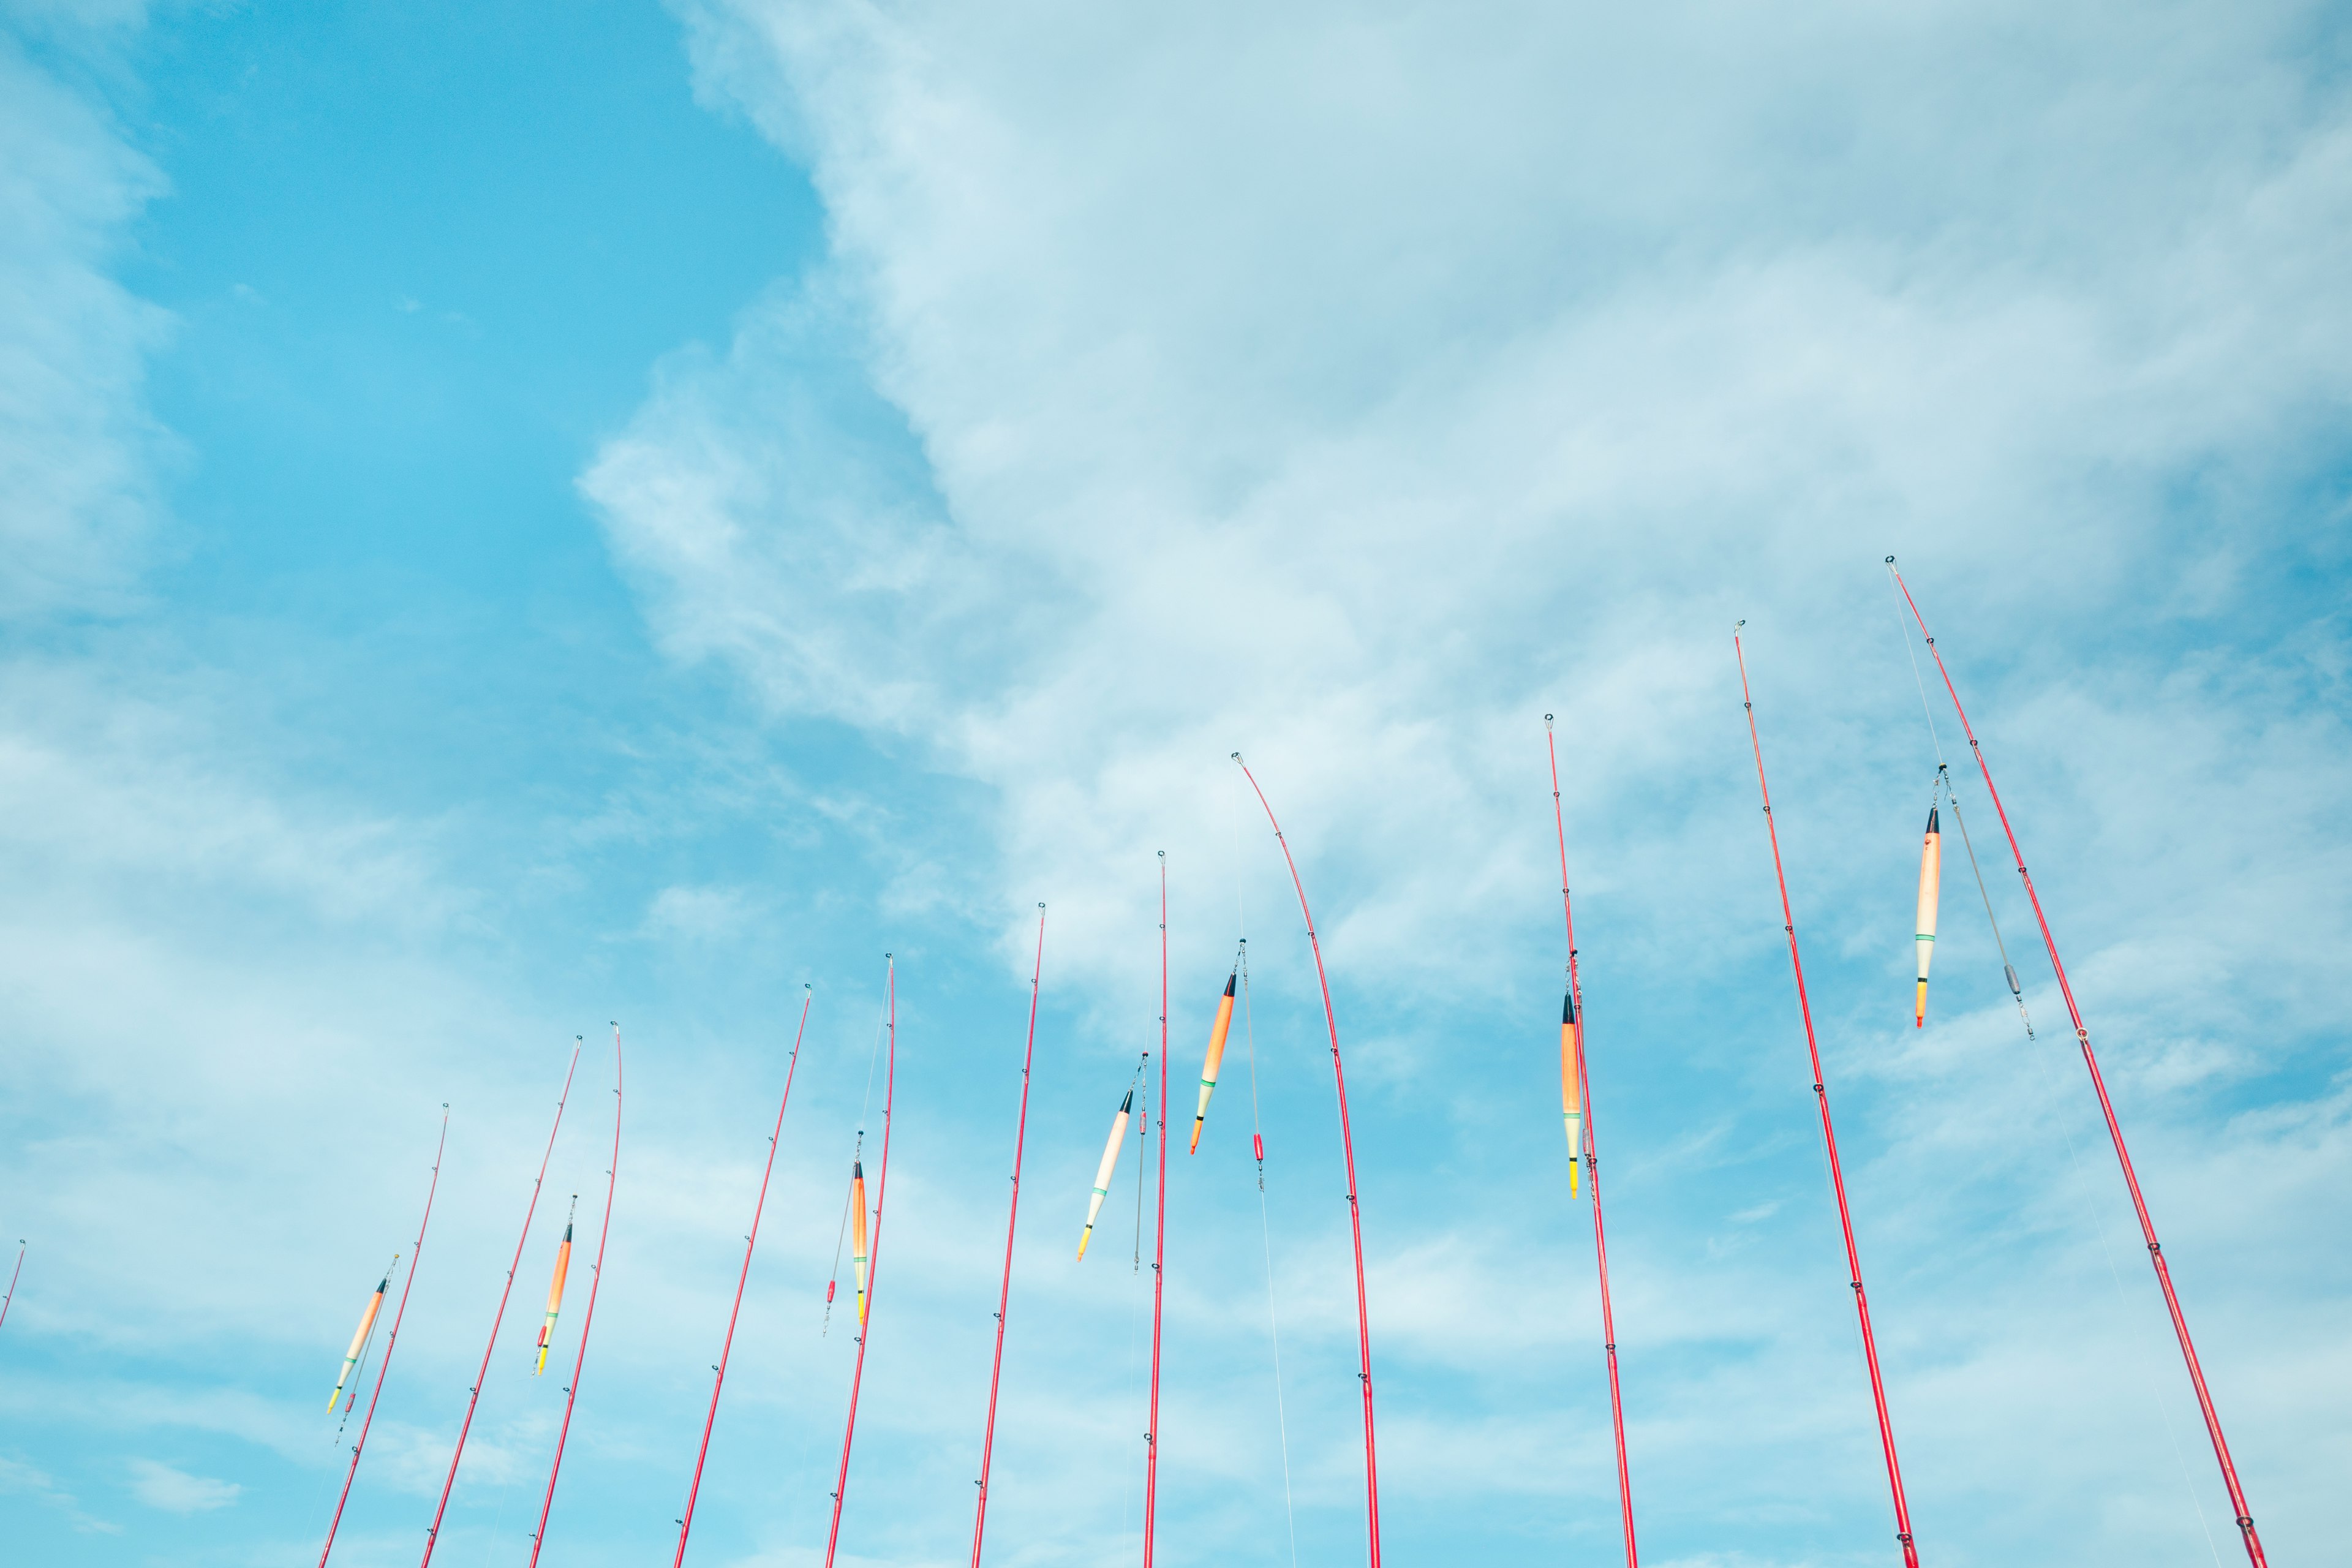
[[1257, 1147], [727, 1348], [2045, 1062], [1143, 1136], [1591, 1151], [1265, 1235], [588, 1319], [1355, 1213], [1829, 1134]]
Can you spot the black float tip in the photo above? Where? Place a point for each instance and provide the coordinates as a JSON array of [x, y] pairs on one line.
[[1229, 984], [1127, 1104], [1931, 821], [857, 1170], [567, 1230], [1567, 1008]]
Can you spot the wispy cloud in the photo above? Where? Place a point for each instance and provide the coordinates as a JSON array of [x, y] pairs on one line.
[[25, 1480], [173, 1490], [1355, 394]]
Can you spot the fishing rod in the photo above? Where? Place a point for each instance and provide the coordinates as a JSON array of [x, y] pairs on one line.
[[1159, 1247], [727, 1347], [13, 1276], [1585, 1144], [588, 1317], [2253, 1541], [473, 1395], [1829, 1133], [874, 1257], [391, 1340], [1951, 794], [1012, 1219], [1355, 1217]]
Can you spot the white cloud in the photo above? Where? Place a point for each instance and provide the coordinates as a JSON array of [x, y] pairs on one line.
[[1352, 388], [26, 1480], [80, 508], [173, 1490], [699, 914], [1361, 396]]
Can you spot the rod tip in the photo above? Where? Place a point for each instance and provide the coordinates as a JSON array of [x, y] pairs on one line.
[[1237, 756], [1890, 561]]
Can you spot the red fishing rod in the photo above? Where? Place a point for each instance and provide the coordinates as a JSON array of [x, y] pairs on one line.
[[588, 1319], [873, 1257], [1592, 1165], [727, 1348], [391, 1342], [1004, 1291], [1355, 1217], [1829, 1134], [433, 1535], [2254, 1543], [15, 1274], [1159, 1247]]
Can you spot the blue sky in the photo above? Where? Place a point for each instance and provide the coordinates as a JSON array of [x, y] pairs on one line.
[[516, 521]]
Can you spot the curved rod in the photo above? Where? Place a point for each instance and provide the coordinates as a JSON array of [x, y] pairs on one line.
[[1355, 1217]]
